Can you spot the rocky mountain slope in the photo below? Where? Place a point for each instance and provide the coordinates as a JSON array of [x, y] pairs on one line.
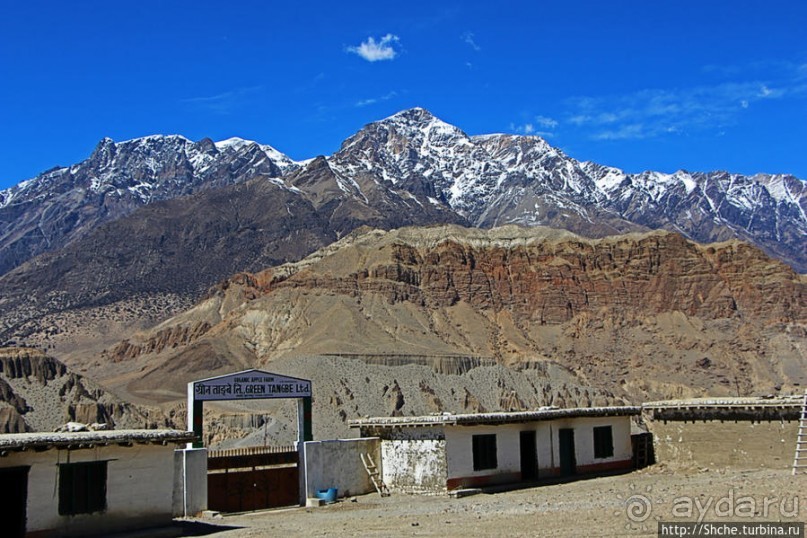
[[156, 221], [412, 162], [61, 205], [39, 393], [636, 317], [169, 253], [436, 318], [493, 180]]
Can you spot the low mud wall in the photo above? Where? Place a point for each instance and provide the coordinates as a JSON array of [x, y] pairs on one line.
[[713, 442]]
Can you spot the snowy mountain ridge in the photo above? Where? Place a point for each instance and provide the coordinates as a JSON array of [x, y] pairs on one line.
[[58, 206], [139, 164], [410, 162], [501, 179]]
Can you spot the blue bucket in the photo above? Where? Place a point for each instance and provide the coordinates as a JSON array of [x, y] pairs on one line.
[[328, 495]]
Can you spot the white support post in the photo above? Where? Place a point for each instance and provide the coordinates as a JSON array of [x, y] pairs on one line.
[[189, 413], [301, 470]]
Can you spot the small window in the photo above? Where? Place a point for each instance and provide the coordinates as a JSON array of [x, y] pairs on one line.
[[82, 488], [484, 451], [603, 442]]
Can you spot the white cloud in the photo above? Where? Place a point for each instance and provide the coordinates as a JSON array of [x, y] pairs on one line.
[[374, 100], [225, 102], [538, 125], [633, 131], [529, 130], [374, 51], [545, 122], [650, 113], [468, 38], [657, 112]]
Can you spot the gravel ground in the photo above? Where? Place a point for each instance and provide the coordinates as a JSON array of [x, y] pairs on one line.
[[624, 505]]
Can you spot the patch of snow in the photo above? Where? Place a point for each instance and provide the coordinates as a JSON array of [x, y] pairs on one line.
[[689, 182], [233, 143], [151, 138], [776, 187], [612, 179]]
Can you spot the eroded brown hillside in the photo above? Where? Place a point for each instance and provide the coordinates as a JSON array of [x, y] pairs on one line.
[[39, 393], [639, 316]]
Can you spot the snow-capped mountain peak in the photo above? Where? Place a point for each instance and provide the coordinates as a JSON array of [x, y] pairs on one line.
[[118, 177], [236, 144], [503, 178], [413, 161]]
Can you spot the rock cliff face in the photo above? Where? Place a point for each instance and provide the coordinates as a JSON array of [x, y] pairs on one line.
[[551, 282], [546, 277], [39, 393], [641, 316]]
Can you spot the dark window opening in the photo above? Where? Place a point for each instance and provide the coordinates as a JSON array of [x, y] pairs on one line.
[[603, 442], [484, 451], [82, 488]]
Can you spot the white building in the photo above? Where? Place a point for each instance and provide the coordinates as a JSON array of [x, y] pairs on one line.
[[438, 453], [85, 483]]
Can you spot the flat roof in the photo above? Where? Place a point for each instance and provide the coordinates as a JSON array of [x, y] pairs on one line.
[[449, 419], [728, 402], [726, 408], [73, 440]]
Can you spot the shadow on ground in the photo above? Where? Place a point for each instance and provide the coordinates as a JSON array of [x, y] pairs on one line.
[[177, 529], [199, 528]]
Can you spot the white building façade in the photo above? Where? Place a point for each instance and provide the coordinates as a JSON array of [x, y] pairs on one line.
[[440, 453]]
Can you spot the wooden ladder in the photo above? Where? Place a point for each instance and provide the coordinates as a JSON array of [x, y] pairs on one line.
[[800, 459], [375, 475]]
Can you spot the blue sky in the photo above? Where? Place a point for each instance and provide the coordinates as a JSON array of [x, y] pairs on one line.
[[638, 85]]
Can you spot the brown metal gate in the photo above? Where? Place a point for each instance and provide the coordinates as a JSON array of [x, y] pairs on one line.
[[244, 479]]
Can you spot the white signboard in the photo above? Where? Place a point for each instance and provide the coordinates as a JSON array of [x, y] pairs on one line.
[[251, 385]]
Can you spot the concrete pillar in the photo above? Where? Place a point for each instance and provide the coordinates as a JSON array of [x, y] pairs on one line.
[[190, 482]]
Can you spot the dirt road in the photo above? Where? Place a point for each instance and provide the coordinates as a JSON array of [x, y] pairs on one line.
[[625, 505]]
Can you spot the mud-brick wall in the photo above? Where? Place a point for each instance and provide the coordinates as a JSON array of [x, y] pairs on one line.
[[716, 444]]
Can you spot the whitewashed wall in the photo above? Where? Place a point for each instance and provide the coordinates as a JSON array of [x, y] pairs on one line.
[[584, 439], [414, 460], [337, 464], [139, 488], [508, 453], [459, 452], [190, 482]]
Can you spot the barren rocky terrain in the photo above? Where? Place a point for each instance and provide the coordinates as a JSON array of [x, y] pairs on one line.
[[632, 318], [422, 320], [39, 393]]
